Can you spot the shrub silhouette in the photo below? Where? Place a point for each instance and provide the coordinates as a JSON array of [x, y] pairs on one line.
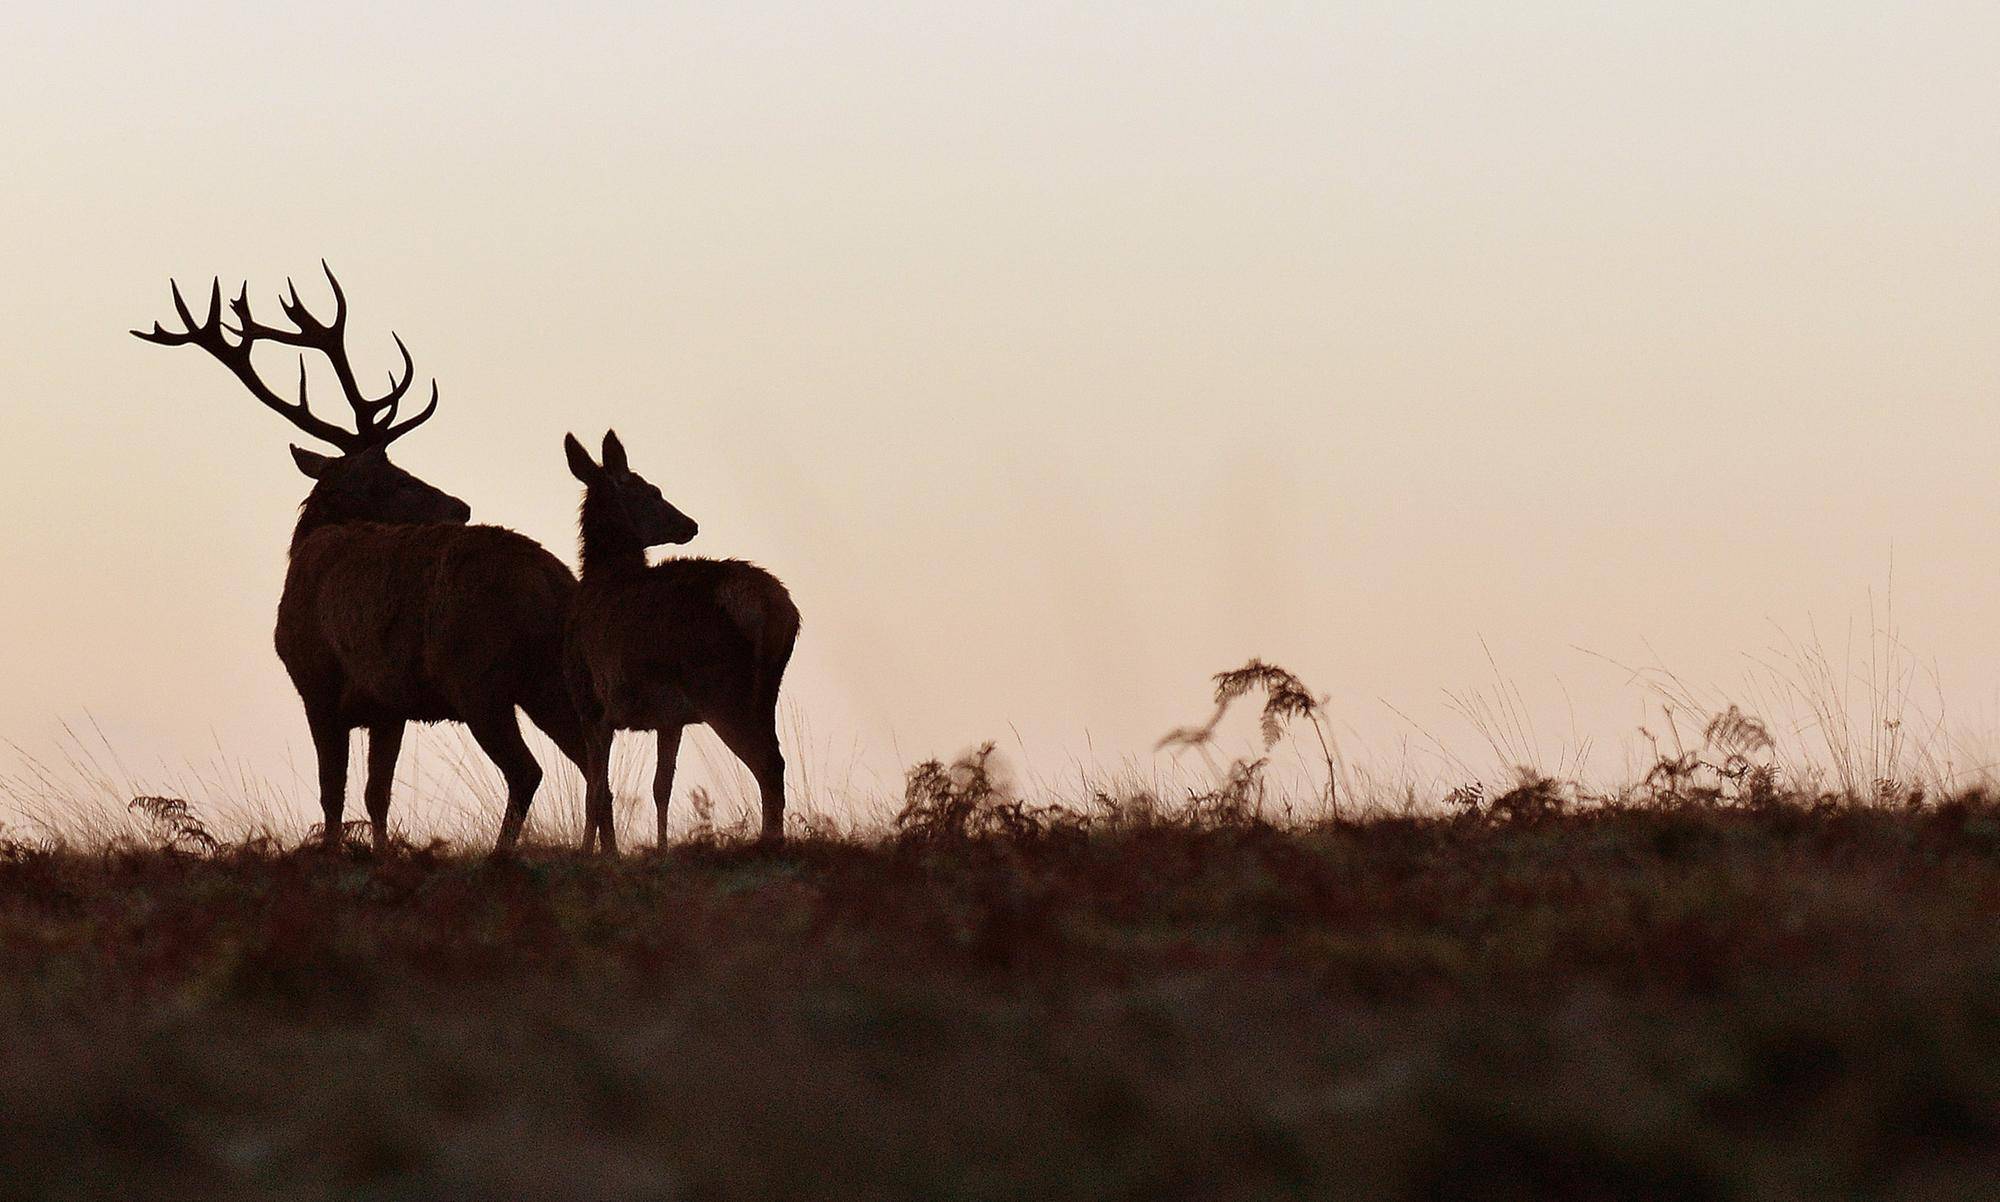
[[174, 826], [1287, 699]]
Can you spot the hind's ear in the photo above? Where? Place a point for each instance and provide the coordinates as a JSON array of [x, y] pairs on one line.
[[580, 465], [614, 453], [309, 463]]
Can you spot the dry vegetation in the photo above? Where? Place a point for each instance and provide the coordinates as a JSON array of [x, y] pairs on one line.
[[1707, 986], [1689, 998]]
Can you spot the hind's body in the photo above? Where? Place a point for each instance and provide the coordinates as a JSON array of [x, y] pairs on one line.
[[674, 644]]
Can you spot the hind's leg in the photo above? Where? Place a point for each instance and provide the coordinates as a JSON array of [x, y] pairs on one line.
[[754, 739], [663, 774], [385, 744], [599, 824]]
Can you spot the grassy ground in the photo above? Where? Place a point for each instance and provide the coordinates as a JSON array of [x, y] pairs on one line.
[[1674, 1000]]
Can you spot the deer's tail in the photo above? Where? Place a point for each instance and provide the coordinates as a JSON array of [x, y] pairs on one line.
[[761, 608], [774, 650]]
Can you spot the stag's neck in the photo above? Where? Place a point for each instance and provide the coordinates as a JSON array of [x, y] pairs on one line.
[[312, 516], [610, 547]]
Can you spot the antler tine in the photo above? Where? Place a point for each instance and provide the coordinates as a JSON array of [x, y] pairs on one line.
[[166, 337], [339, 297], [311, 328], [248, 327], [214, 310], [391, 433], [397, 387], [393, 399]]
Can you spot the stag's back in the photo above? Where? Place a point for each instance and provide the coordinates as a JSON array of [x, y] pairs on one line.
[[418, 622]]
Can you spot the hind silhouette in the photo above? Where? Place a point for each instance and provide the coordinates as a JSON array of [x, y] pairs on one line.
[[660, 647]]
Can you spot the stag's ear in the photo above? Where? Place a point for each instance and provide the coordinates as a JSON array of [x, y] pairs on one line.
[[309, 463], [580, 465], [614, 453]]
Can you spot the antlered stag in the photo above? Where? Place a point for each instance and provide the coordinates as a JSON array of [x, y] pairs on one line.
[[660, 647], [394, 609]]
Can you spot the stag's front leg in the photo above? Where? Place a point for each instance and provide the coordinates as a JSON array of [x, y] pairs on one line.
[[329, 736], [385, 745]]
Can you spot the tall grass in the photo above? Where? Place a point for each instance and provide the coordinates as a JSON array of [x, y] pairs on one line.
[[1498, 715], [82, 791], [1862, 721]]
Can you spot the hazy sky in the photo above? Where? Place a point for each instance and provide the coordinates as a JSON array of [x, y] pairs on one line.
[[1056, 356]]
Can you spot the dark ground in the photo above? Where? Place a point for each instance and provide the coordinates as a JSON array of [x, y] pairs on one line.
[[1672, 1001]]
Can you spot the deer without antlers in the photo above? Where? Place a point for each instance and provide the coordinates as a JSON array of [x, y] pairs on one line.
[[660, 647], [394, 609]]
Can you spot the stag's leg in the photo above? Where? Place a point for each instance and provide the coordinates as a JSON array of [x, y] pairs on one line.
[[569, 731], [385, 744], [754, 739], [329, 736], [558, 719], [591, 769], [499, 736], [663, 774], [599, 823]]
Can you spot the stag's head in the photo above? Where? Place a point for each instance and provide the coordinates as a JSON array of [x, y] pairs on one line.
[[641, 505], [359, 483], [363, 486]]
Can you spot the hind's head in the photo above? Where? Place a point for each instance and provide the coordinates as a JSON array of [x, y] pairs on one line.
[[363, 486], [624, 495]]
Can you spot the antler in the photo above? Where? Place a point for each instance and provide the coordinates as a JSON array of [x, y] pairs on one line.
[[374, 418]]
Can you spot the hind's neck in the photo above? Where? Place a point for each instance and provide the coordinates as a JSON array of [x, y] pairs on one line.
[[610, 545]]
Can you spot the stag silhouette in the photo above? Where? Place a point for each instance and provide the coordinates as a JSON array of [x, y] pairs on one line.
[[394, 609], [660, 647]]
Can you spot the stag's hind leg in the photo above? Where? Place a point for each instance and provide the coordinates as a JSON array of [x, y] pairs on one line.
[[663, 774], [499, 736], [551, 710], [385, 745]]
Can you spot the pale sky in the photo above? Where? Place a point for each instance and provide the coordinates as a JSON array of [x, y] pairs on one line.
[[1055, 358]]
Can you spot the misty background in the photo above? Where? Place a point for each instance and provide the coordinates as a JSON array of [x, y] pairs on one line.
[[1056, 359]]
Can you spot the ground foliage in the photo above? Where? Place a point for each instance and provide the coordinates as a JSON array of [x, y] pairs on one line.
[[1668, 996]]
